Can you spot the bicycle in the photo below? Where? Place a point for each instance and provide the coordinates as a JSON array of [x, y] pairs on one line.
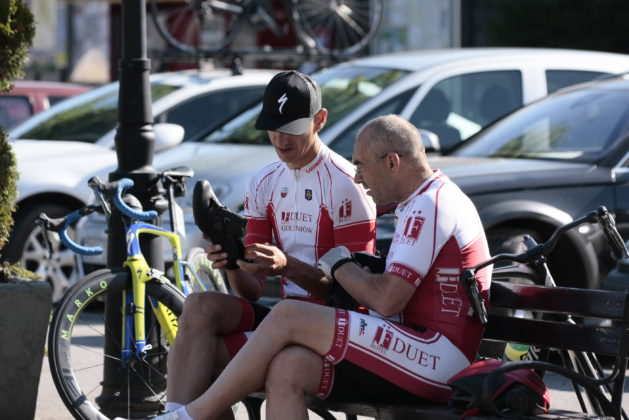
[[137, 358], [583, 369], [327, 27]]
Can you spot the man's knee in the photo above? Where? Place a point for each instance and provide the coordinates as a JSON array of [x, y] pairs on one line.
[[285, 312], [294, 368], [206, 311]]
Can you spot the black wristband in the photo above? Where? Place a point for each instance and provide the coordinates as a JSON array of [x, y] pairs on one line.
[[340, 263]]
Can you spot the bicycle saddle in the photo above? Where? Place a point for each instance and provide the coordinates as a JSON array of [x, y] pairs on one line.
[[219, 224]]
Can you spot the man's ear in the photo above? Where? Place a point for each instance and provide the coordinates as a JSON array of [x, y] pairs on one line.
[[393, 161], [320, 119]]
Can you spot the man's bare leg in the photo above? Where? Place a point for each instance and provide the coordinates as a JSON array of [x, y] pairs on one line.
[[198, 353], [293, 373], [290, 322]]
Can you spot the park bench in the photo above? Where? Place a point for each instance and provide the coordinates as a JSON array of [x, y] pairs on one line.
[[587, 335]]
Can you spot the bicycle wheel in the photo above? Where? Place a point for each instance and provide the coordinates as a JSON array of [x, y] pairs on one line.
[[198, 26], [79, 356], [337, 27], [208, 278]]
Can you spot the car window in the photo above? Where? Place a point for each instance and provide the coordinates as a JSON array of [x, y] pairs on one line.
[[578, 125], [459, 106], [14, 110], [344, 143], [208, 110], [87, 121], [557, 79], [343, 89], [56, 99]]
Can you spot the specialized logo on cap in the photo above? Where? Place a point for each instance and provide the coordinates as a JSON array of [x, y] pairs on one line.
[[282, 101]]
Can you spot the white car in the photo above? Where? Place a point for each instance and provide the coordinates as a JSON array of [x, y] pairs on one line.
[[453, 93], [55, 157]]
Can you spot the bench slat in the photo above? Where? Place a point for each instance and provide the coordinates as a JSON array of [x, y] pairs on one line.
[[588, 338], [579, 302]]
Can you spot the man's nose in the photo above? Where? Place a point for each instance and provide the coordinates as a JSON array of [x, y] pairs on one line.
[[358, 179]]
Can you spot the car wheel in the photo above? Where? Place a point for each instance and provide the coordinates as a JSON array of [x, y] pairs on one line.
[[509, 240], [28, 247]]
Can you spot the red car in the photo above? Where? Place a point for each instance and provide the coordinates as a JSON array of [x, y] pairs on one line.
[[30, 97]]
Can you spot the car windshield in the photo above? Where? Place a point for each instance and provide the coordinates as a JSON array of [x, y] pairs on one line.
[[577, 125], [343, 89], [89, 120]]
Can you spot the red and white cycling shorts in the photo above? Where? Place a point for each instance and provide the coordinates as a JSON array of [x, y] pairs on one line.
[[374, 354]]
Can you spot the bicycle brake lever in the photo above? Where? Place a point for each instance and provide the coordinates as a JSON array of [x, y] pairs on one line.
[[43, 224], [616, 243], [468, 279]]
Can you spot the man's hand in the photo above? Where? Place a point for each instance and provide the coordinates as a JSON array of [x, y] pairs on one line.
[[333, 259], [263, 258], [218, 258], [374, 263]]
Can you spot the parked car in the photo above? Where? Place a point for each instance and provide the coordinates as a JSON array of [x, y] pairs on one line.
[[537, 168], [53, 166], [29, 97], [451, 92], [197, 101]]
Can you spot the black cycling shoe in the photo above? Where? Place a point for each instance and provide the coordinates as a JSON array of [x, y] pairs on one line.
[[221, 225]]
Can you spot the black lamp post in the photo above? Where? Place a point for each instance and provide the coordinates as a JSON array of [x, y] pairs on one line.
[[134, 147]]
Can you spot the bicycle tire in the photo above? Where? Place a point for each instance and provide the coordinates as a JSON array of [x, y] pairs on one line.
[[76, 348], [198, 26], [211, 278], [340, 28]]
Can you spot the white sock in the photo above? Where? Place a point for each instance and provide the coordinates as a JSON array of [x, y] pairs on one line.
[[172, 406], [183, 414]]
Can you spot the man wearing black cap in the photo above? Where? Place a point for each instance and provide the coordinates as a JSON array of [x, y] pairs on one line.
[[420, 330], [306, 203]]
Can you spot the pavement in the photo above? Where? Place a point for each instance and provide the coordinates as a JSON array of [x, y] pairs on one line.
[[50, 406]]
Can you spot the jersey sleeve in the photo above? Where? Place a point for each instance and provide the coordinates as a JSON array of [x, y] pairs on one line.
[[420, 234], [259, 228], [354, 216]]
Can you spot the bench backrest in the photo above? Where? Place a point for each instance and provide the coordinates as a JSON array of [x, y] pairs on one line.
[[587, 307]]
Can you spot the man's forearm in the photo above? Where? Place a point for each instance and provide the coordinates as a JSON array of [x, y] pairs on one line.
[[307, 277], [246, 285]]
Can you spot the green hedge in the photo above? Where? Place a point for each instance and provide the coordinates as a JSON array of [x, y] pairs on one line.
[[17, 29]]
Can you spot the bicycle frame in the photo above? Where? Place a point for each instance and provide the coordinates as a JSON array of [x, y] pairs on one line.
[[141, 273]]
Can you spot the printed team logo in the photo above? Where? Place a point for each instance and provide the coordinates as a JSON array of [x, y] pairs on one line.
[[284, 192], [382, 340], [308, 194], [413, 227], [282, 102], [363, 325], [345, 211]]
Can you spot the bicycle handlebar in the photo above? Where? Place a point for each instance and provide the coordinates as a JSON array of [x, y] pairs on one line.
[[61, 226], [539, 253], [114, 190]]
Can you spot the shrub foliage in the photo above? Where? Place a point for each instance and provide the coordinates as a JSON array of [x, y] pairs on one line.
[[17, 29]]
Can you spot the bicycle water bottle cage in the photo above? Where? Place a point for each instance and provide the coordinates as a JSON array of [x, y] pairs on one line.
[[219, 224]]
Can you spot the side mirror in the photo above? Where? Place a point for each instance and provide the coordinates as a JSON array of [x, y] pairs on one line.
[[430, 140], [167, 135]]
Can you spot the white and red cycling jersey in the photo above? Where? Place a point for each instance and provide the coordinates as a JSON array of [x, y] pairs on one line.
[[438, 234], [307, 211]]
